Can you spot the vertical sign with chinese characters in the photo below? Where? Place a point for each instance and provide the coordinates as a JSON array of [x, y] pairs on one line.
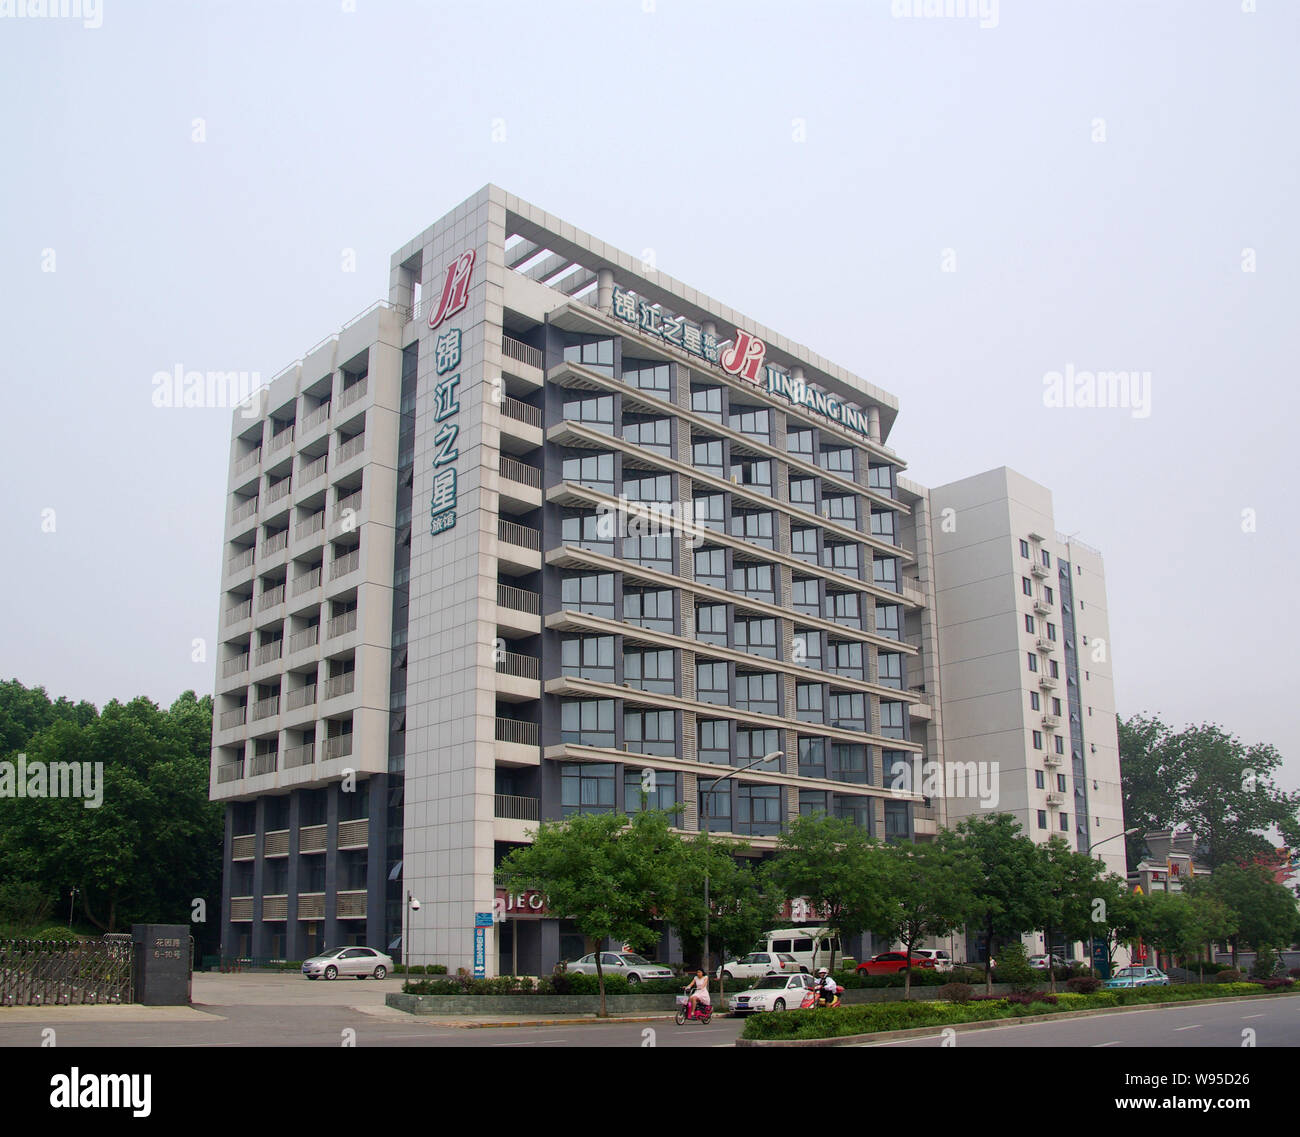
[[446, 405], [482, 922]]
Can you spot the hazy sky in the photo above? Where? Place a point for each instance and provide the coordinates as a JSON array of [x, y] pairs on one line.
[[950, 210]]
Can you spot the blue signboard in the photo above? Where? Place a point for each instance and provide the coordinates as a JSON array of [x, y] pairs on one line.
[[482, 919], [1101, 958], [480, 953]]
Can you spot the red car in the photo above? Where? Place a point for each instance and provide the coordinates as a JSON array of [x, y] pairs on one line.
[[890, 962]]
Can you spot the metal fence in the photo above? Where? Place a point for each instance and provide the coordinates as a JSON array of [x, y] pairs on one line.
[[54, 972]]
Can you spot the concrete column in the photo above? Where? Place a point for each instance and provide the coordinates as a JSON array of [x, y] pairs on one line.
[[873, 423], [331, 921], [292, 932], [605, 289], [257, 943]]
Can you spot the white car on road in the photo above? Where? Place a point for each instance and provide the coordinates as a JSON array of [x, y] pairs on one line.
[[625, 963], [759, 963], [358, 961], [772, 993]]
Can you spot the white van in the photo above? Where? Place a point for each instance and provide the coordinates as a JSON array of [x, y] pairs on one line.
[[811, 947]]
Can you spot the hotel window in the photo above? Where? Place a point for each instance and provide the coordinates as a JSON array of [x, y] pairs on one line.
[[714, 741], [654, 550], [755, 472], [1049, 595], [849, 762], [649, 487], [843, 608], [758, 810], [1047, 559], [651, 670], [849, 710], [1042, 819], [855, 810], [1033, 661], [757, 692], [1040, 782], [840, 507], [1038, 739], [806, 596], [1053, 669], [803, 544], [882, 525], [803, 493], [799, 442], [889, 669], [892, 716], [587, 722], [1029, 624], [838, 460], [881, 478], [595, 411], [842, 556], [654, 434], [896, 825], [756, 636], [707, 402], [751, 421], [754, 744], [884, 571], [1060, 783], [888, 621], [592, 531], [588, 592], [706, 455], [1026, 586], [1034, 701], [810, 702], [812, 757], [649, 609], [588, 657], [1024, 548], [650, 732], [711, 567], [709, 512], [586, 788], [813, 802], [589, 468], [1056, 706], [711, 624], [646, 376], [711, 685], [845, 658], [596, 354], [1051, 632], [662, 796], [1065, 822], [1059, 743], [755, 527], [806, 649], [715, 807], [754, 581]]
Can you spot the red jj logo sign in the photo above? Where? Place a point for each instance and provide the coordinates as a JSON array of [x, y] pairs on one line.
[[744, 357], [455, 289]]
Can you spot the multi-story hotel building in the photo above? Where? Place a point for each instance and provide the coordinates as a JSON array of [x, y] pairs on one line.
[[544, 530]]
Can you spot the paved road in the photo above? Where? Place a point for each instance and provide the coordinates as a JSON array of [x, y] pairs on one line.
[[1275, 1022], [273, 1010]]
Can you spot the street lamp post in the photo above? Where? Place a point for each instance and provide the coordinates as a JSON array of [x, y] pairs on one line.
[[1087, 853], [72, 900], [712, 785], [412, 905]]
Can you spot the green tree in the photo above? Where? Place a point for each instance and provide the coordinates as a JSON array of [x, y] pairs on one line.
[[1069, 886], [600, 871], [928, 891], [1263, 911], [833, 863], [1114, 915], [1008, 890], [1209, 781]]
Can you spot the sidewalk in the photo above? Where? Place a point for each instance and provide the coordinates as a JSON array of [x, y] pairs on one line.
[[475, 1022]]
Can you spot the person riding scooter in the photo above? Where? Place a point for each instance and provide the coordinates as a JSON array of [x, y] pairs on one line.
[[828, 992]]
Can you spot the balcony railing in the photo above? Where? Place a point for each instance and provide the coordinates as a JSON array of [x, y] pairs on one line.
[[239, 612], [521, 666], [264, 764], [351, 905], [350, 395], [313, 524], [279, 489], [516, 808], [307, 637], [275, 907], [519, 472], [340, 746], [352, 447], [512, 533], [281, 440], [244, 846], [519, 351], [354, 834], [265, 708], [276, 542], [241, 908], [312, 839], [244, 509], [352, 501], [346, 564], [306, 581], [311, 471], [301, 697], [267, 652], [520, 411], [248, 461], [271, 597], [316, 417], [232, 772], [516, 731], [234, 717], [311, 906], [240, 561], [520, 599], [297, 756], [341, 625], [234, 666], [337, 685]]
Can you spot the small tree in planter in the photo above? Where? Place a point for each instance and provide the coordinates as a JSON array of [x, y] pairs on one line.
[[1013, 967]]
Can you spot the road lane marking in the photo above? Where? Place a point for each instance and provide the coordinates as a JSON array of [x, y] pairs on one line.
[[1196, 1026], [1098, 1045], [1252, 1016]]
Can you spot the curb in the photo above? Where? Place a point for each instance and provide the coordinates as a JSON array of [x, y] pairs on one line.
[[988, 1024], [593, 1021]]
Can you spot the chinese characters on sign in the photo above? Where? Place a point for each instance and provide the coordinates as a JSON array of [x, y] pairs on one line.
[[442, 504], [676, 332]]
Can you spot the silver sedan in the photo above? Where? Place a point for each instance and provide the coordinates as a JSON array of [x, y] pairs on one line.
[[358, 961]]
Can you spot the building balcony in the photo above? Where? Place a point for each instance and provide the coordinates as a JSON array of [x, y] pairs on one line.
[[520, 354], [519, 548], [517, 743], [313, 838], [1047, 682], [351, 502], [275, 907], [240, 561], [1042, 607], [304, 639], [248, 462], [337, 685], [268, 653], [263, 764], [279, 490], [519, 677], [341, 625], [306, 581], [243, 511], [518, 611], [343, 565], [521, 485], [350, 395], [235, 717], [515, 817], [265, 708], [1055, 800], [920, 712], [304, 696], [243, 847], [351, 448], [315, 417], [236, 666], [276, 843], [351, 905], [298, 756], [521, 426], [241, 909], [280, 441], [309, 525], [354, 834], [1042, 643], [311, 906], [1040, 570], [311, 471], [230, 772], [338, 747], [1052, 760], [1051, 722]]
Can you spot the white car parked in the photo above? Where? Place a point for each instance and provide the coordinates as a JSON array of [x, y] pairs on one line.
[[772, 993], [359, 961], [626, 963], [941, 959], [759, 963]]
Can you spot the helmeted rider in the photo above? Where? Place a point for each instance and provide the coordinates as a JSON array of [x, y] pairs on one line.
[[826, 988]]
